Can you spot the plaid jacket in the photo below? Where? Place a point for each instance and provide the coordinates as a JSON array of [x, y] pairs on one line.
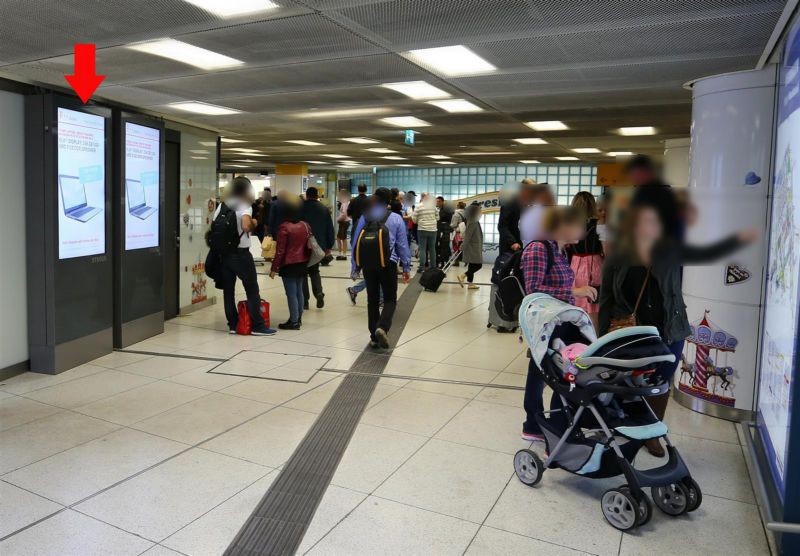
[[558, 282]]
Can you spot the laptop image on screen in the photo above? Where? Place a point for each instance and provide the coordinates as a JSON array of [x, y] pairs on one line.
[[137, 204], [73, 197]]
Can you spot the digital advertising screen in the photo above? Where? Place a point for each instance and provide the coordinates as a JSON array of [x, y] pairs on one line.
[[778, 357], [142, 184], [81, 184]]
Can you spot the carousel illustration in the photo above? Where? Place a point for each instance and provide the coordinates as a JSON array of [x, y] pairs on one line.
[[705, 372]]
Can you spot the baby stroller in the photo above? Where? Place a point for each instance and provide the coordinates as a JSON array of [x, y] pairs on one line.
[[600, 418]]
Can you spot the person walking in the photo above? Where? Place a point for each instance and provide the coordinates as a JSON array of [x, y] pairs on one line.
[[443, 217], [472, 245], [546, 270], [586, 256], [381, 245], [343, 223], [291, 261], [318, 217], [424, 217], [455, 227], [237, 261], [641, 284], [357, 206]]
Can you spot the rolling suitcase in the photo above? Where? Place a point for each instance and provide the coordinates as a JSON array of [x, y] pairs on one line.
[[495, 319], [432, 278]]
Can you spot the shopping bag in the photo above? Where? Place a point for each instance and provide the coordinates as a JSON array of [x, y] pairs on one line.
[[245, 325], [268, 247]]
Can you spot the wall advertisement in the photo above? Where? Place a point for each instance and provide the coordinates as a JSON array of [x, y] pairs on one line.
[[142, 183]]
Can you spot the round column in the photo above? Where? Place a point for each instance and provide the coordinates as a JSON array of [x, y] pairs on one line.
[[676, 162], [730, 172]]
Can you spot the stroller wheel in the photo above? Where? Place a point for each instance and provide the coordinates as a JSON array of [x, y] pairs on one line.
[[695, 494], [645, 506], [620, 509], [672, 499], [528, 467]]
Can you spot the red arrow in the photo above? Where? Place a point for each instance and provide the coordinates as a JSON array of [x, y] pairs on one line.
[[85, 80]]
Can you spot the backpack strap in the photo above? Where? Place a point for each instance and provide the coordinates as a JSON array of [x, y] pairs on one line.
[[550, 256]]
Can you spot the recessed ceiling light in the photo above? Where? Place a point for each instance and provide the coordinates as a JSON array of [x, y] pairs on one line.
[[620, 153], [405, 121], [242, 150], [236, 166], [548, 125], [304, 142], [234, 8], [437, 156], [360, 140], [198, 151], [530, 141], [200, 157], [444, 162], [452, 60], [381, 150], [530, 161], [567, 158], [186, 53], [640, 130], [484, 153], [346, 113], [586, 150], [316, 162], [456, 105], [208, 143], [203, 108], [405, 165], [247, 160], [418, 90], [334, 155], [394, 157], [229, 140]]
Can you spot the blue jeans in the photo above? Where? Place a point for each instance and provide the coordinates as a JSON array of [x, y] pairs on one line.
[[667, 370], [427, 249], [294, 295]]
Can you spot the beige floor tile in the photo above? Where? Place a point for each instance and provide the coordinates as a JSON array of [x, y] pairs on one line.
[[334, 506], [39, 439], [207, 379], [160, 501], [16, 410], [159, 550], [454, 373], [19, 508], [486, 425], [482, 357], [414, 412], [165, 367], [28, 382], [686, 422], [82, 391], [315, 400], [424, 350], [202, 418], [451, 479], [385, 527], [274, 391], [79, 472], [72, 534], [117, 359], [493, 542]]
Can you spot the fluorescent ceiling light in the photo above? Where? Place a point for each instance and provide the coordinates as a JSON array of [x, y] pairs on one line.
[[234, 8], [405, 165], [548, 125], [382, 150], [360, 140], [530, 161], [394, 157], [304, 142], [203, 108], [200, 157], [484, 153], [418, 90], [347, 113], [620, 153], [641, 130], [437, 156], [452, 60], [229, 140], [242, 150], [236, 166], [567, 158], [247, 160], [444, 162], [456, 105], [209, 143], [198, 151], [586, 150], [530, 141], [186, 53], [315, 162], [334, 155], [405, 121]]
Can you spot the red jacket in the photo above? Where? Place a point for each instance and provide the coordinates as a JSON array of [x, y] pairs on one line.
[[292, 245]]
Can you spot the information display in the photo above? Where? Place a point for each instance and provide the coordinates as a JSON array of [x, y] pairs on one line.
[[783, 271], [142, 182], [81, 184]]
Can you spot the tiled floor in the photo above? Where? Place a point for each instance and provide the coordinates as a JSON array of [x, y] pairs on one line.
[[142, 454]]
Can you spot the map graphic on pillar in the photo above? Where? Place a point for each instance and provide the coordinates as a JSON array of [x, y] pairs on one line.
[[705, 372]]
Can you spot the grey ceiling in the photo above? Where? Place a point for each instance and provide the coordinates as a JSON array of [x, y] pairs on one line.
[[595, 64]]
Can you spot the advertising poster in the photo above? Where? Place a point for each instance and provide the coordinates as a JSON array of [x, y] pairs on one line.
[[780, 324], [142, 179], [81, 184]]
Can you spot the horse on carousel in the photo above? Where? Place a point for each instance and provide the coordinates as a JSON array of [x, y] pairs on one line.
[[719, 374], [687, 369]]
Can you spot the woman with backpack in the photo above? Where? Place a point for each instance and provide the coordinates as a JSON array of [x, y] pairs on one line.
[[586, 256], [291, 262], [546, 270], [471, 245]]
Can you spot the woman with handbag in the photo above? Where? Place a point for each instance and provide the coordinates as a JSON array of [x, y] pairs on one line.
[[642, 286], [292, 255]]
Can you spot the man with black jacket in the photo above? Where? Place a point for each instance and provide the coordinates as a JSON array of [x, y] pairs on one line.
[[651, 191], [444, 216], [318, 217], [357, 207]]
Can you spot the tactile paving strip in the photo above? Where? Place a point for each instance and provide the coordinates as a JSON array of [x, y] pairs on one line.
[[277, 525]]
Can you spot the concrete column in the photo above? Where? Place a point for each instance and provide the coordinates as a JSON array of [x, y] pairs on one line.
[[291, 177], [676, 162]]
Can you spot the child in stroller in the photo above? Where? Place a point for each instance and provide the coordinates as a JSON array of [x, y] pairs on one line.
[[603, 417]]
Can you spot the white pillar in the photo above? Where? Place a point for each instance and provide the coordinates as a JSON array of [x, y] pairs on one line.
[[731, 152], [676, 162]]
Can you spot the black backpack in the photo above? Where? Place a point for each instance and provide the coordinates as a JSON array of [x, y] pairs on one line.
[[223, 236], [510, 281], [373, 248]]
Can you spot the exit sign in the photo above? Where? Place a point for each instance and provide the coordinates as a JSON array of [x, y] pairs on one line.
[[410, 133]]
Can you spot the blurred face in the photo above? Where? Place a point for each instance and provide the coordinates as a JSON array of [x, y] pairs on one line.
[[648, 225], [439, 203], [639, 176], [570, 233]]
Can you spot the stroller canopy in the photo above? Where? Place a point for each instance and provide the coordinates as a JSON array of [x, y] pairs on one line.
[[540, 315]]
